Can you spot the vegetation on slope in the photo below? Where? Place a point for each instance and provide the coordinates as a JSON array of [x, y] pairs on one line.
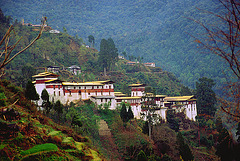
[[158, 31], [64, 50], [26, 134]]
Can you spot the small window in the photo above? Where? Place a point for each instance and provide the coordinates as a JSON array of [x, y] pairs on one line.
[[54, 93], [59, 93]]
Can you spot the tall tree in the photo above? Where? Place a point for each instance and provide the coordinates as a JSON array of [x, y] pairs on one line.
[[91, 40], [45, 95], [123, 113], [58, 107], [130, 114], [31, 92], [46, 104], [108, 54], [206, 97], [184, 149]]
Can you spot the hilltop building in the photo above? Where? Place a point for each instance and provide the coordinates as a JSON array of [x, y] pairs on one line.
[[150, 64], [74, 69], [53, 69], [101, 92]]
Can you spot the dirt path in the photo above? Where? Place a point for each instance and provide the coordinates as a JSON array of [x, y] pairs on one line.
[[108, 141]]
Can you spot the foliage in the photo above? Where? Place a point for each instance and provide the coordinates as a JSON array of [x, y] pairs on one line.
[[206, 97], [41, 148], [224, 147], [130, 113], [123, 113], [139, 31], [173, 122], [58, 107], [45, 95], [91, 40], [184, 149], [31, 92], [108, 54], [165, 141], [2, 99]]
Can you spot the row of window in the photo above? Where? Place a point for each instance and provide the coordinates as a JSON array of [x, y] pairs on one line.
[[79, 92], [85, 87]]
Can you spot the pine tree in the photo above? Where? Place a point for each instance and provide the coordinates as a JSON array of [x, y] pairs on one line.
[[206, 97], [46, 104], [130, 114], [31, 92], [123, 113], [184, 149], [45, 95], [58, 108]]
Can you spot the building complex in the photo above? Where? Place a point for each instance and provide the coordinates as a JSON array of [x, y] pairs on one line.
[[101, 92]]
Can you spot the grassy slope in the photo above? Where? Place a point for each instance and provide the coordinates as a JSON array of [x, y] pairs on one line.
[[27, 134]]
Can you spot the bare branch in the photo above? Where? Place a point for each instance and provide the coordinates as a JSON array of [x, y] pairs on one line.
[[8, 49]]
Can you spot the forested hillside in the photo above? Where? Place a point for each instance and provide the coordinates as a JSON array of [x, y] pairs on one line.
[[158, 31], [64, 50]]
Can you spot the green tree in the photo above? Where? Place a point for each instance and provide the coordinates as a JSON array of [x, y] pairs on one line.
[[2, 99], [31, 92], [124, 54], [64, 30], [46, 104], [224, 146], [58, 107], [108, 54], [27, 72], [206, 97], [171, 119], [123, 113], [184, 149], [45, 95], [130, 114], [91, 40], [185, 91]]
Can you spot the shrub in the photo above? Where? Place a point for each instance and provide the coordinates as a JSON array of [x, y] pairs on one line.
[[40, 148]]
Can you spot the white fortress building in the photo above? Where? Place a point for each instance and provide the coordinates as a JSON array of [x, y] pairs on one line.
[[101, 92]]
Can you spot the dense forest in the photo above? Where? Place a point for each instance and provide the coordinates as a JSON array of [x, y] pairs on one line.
[[158, 31], [64, 50]]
